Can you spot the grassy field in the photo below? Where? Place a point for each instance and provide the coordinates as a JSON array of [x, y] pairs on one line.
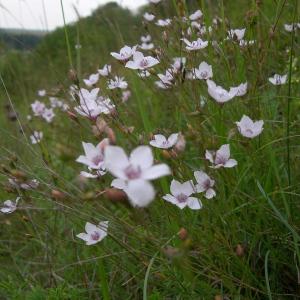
[[242, 244]]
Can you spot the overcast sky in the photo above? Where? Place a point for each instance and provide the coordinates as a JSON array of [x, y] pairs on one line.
[[43, 14]]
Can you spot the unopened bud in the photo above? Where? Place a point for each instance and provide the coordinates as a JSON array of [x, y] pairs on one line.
[[115, 195], [240, 250], [180, 144], [58, 195], [18, 174], [182, 233]]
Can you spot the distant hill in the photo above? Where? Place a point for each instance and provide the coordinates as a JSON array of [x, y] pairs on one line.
[[20, 39]]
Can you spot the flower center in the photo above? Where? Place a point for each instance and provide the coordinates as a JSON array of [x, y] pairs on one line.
[[182, 198], [144, 63], [203, 74], [220, 160], [132, 172], [97, 159], [95, 236]]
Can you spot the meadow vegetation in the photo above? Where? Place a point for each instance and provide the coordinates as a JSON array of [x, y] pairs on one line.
[[240, 238]]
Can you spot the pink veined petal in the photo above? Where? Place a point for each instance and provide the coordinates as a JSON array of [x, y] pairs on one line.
[[230, 163], [140, 192], [170, 199], [89, 227], [194, 203], [210, 193], [159, 138], [173, 139], [188, 188], [224, 152], [88, 175], [89, 149], [175, 188], [209, 155], [82, 236], [132, 65], [142, 156], [115, 160], [200, 177], [156, 172], [119, 184], [83, 160], [103, 226], [90, 242]]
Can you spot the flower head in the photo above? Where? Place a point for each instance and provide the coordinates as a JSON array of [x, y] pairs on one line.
[[94, 233], [134, 172], [48, 115], [221, 157], [219, 93], [204, 184], [278, 79], [181, 195], [38, 108], [203, 72], [240, 90], [93, 79], [119, 82], [160, 141], [125, 53], [196, 15], [141, 62], [148, 17], [105, 70], [36, 137], [195, 45], [164, 23], [9, 206], [249, 128], [236, 34]]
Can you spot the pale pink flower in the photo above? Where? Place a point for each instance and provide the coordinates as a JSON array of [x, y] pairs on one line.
[[105, 71], [94, 233], [38, 108], [147, 46], [178, 64], [9, 206], [181, 195], [240, 90], [125, 53], [237, 34], [196, 15], [160, 141], [117, 83], [42, 93], [249, 128], [290, 27], [146, 38], [36, 137], [163, 23], [203, 72], [204, 184], [141, 62], [92, 80], [148, 17], [126, 95], [278, 79], [134, 172], [167, 78], [48, 115], [195, 45], [218, 93], [221, 157]]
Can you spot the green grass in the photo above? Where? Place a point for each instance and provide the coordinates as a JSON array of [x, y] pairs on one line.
[[243, 244]]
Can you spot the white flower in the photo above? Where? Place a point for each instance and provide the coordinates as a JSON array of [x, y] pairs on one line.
[[55, 102], [219, 93], [204, 184], [178, 63], [195, 45], [141, 62], [48, 115], [149, 17], [42, 93], [278, 79], [133, 173], [240, 90], [249, 128], [38, 108], [196, 15], [147, 46], [155, 1], [290, 27], [144, 74], [168, 78], [221, 157], [203, 72], [119, 82], [236, 34], [160, 141], [146, 38], [244, 43], [163, 23], [91, 105], [125, 53], [94, 233], [126, 95], [93, 79], [180, 195], [105, 70], [9, 206], [94, 155], [36, 137]]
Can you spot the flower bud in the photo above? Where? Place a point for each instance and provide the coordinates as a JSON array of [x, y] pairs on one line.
[[240, 250], [180, 144], [115, 195], [18, 174], [182, 233], [58, 195]]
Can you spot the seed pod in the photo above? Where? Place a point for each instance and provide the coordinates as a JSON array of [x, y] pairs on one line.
[[240, 250], [58, 195], [182, 233], [115, 195]]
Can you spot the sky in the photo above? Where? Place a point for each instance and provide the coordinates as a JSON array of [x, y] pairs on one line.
[[47, 15]]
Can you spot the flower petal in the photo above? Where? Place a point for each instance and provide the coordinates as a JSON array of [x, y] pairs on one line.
[[140, 192], [156, 172]]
